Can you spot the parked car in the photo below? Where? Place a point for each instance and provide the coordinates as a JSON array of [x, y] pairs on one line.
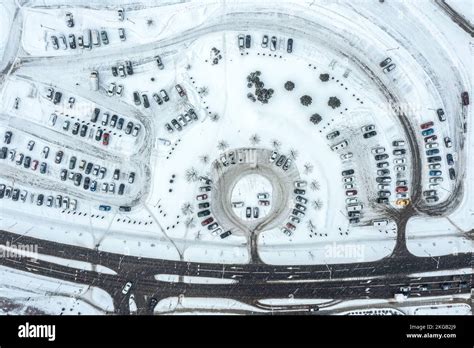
[[385, 62], [452, 174], [289, 46], [159, 62], [465, 98], [447, 142]]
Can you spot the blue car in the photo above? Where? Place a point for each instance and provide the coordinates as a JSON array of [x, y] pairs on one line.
[[435, 172], [104, 207], [450, 159], [432, 152], [427, 132]]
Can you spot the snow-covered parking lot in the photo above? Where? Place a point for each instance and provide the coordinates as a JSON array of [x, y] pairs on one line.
[[186, 132]]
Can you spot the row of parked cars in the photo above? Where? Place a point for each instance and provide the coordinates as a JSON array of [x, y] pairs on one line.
[[89, 39], [113, 121], [281, 160], [245, 41], [299, 208], [205, 212], [353, 206], [433, 153], [20, 158], [182, 121], [17, 194]]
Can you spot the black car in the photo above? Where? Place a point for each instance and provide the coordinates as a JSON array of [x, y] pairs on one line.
[[120, 123], [146, 103], [226, 234], [72, 41], [125, 208], [3, 152], [441, 115], [129, 67], [152, 304], [204, 213], [77, 179], [121, 189], [39, 200], [465, 98], [452, 173], [116, 174], [158, 99], [27, 162], [89, 168], [114, 71], [83, 130], [385, 62], [347, 172], [450, 159], [370, 134], [176, 125], [129, 127], [203, 205], [95, 115], [382, 200], [57, 97], [43, 167], [8, 137], [248, 41], [98, 134], [75, 128], [281, 160], [381, 157], [289, 47], [434, 159], [104, 37], [113, 121], [87, 182], [72, 162], [299, 192]]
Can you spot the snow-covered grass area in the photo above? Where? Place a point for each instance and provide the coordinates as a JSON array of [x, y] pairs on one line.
[[436, 236], [24, 293], [219, 305], [453, 309], [6, 16]]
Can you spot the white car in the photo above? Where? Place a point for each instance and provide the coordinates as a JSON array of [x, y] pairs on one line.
[[111, 89], [400, 168], [346, 156], [135, 130], [224, 161], [400, 161], [52, 119], [300, 184], [348, 179], [348, 186], [31, 145], [121, 14], [431, 145], [378, 150], [274, 156], [127, 288], [119, 90], [368, 128]]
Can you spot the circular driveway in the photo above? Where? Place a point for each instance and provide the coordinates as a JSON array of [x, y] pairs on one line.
[[250, 161]]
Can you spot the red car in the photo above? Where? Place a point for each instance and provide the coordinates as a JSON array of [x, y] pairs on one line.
[[427, 125], [34, 164], [465, 98], [105, 139], [401, 189], [207, 221], [351, 192], [431, 138]]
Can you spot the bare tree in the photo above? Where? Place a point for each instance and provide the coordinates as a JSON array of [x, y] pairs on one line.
[[203, 91], [150, 22], [308, 168], [294, 153], [204, 159], [215, 117], [190, 222], [255, 139], [187, 208], [315, 185], [310, 225], [191, 175], [188, 67], [317, 204], [276, 144], [222, 145]]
